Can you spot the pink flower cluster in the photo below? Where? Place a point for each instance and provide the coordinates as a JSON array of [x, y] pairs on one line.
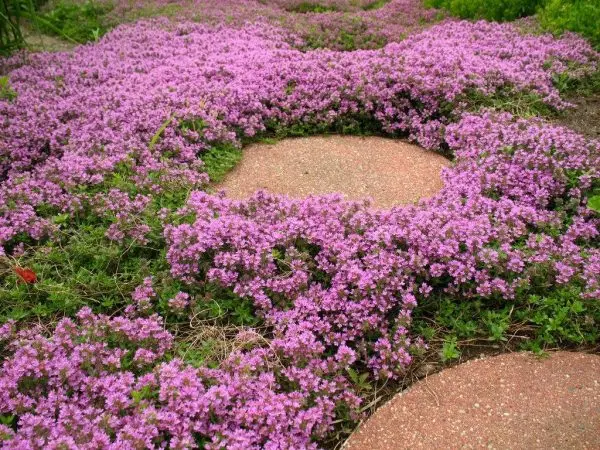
[[333, 5], [155, 94], [311, 272], [104, 383], [125, 212], [334, 281], [347, 27], [330, 275], [142, 297]]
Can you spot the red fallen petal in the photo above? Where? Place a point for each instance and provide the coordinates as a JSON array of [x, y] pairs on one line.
[[27, 275]]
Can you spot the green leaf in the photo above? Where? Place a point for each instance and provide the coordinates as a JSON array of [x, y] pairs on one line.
[[59, 219], [6, 91], [7, 420], [594, 203], [450, 350], [159, 132], [353, 375]]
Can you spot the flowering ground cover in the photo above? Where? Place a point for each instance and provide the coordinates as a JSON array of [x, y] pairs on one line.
[[112, 240], [339, 25]]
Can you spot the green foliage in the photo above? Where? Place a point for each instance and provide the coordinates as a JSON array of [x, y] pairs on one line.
[[225, 307], [553, 317], [360, 380], [196, 125], [497, 10], [200, 354], [347, 40], [583, 87], [458, 317], [313, 7], [155, 9], [376, 4], [12, 14], [81, 22], [80, 266], [7, 420], [357, 124], [145, 393], [556, 16], [580, 16], [309, 7], [6, 91], [496, 324], [450, 350], [594, 203], [522, 104], [159, 132], [356, 36], [560, 318], [220, 159]]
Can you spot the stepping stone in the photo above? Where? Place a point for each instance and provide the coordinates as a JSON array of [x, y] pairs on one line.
[[390, 171], [512, 401]]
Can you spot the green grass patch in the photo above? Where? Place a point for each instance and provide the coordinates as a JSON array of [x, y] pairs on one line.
[[81, 22], [220, 159], [79, 265], [353, 37], [154, 10], [518, 103], [309, 7], [77, 268]]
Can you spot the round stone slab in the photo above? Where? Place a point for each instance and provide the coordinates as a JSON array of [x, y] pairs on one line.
[[511, 401], [390, 171]]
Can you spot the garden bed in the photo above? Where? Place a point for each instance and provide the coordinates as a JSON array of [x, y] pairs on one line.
[[141, 310]]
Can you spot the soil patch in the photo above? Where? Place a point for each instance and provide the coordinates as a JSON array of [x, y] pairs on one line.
[[40, 42], [584, 118]]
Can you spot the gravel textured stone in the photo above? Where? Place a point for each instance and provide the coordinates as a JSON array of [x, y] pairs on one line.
[[511, 401], [390, 171]]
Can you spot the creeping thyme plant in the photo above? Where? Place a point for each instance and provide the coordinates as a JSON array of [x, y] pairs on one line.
[[117, 255]]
